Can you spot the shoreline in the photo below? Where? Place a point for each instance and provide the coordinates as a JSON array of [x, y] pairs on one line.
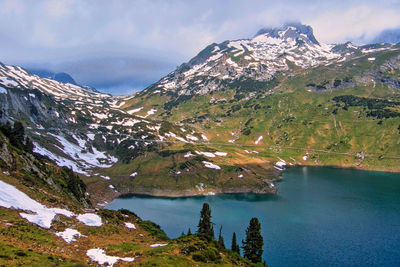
[[185, 194], [196, 193]]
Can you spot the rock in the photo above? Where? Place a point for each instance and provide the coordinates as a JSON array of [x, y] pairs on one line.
[[361, 155]]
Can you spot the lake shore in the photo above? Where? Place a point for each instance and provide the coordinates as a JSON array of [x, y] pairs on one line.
[[107, 197], [315, 218], [270, 188]]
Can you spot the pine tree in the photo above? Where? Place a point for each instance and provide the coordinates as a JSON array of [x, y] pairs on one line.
[[235, 247], [221, 241], [6, 129], [18, 134], [253, 246], [205, 225], [189, 232], [182, 234], [28, 145]]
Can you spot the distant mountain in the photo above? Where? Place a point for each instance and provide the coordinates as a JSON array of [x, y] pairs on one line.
[[259, 59], [388, 36], [59, 76]]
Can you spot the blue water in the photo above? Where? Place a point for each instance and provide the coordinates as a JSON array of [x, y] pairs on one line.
[[320, 217]]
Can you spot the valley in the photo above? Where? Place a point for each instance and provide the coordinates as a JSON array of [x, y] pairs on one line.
[[225, 124], [227, 121]]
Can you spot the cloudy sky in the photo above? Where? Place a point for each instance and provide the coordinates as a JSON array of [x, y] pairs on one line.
[[123, 46]]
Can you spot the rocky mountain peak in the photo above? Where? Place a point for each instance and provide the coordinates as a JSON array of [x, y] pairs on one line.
[[271, 51], [290, 30]]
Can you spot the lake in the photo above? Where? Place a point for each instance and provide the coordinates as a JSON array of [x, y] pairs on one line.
[[320, 217]]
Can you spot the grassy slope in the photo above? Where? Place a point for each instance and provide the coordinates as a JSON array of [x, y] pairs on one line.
[[295, 121], [23, 243]]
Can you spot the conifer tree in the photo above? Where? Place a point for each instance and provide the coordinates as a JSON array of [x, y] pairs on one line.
[[6, 129], [189, 232], [205, 225], [18, 134], [221, 241], [28, 145], [253, 246], [235, 247]]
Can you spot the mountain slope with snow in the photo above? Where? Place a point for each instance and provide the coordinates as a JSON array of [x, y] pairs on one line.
[[260, 58], [247, 99]]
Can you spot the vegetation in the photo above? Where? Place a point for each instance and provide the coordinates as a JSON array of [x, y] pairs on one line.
[[379, 108], [235, 247], [221, 241], [253, 245], [205, 225], [16, 135]]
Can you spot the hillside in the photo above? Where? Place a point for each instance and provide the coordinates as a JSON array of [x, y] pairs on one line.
[[284, 97], [89, 132], [47, 219], [229, 120]]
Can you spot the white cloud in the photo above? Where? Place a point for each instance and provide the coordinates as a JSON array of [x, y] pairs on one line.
[[359, 23]]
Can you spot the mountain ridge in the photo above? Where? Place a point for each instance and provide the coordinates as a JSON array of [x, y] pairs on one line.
[[217, 119]]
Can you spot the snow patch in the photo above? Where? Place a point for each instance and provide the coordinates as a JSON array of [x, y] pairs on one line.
[[207, 154], [211, 165], [90, 219], [130, 225], [99, 255], [158, 245], [11, 197], [130, 112], [191, 137], [69, 235], [258, 140], [189, 154], [281, 163]]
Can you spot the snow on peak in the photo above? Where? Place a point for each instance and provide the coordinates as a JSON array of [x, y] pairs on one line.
[[15, 76], [289, 30], [258, 58]]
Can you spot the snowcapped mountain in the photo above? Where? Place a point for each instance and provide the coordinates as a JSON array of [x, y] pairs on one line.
[[76, 126], [79, 127], [18, 77], [269, 52], [60, 77]]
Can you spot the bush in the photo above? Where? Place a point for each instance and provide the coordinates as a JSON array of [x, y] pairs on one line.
[[207, 255], [154, 229]]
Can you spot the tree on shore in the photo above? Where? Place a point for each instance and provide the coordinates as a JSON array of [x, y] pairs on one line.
[[253, 246], [205, 225], [189, 232], [221, 241], [235, 247]]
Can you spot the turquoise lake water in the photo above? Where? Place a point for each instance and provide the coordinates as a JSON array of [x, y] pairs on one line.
[[320, 217]]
